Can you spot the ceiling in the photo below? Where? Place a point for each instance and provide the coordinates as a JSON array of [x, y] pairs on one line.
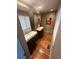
[[34, 5]]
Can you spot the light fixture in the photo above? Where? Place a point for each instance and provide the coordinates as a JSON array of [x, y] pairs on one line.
[[40, 7], [51, 9]]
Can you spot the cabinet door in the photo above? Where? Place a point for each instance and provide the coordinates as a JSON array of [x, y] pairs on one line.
[[20, 51]]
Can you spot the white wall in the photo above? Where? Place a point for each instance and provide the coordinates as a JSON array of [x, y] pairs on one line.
[[56, 25], [56, 48], [56, 38]]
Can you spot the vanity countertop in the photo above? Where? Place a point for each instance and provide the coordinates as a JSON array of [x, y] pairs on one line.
[[30, 35], [39, 28]]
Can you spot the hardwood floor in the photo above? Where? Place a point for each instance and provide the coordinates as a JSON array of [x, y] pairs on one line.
[[43, 47]]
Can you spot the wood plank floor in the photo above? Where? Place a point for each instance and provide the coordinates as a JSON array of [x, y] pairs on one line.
[[43, 47]]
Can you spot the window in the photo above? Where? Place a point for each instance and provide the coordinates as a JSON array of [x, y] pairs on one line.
[[25, 23]]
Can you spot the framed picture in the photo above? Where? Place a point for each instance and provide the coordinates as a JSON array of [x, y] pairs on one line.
[[48, 21]]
